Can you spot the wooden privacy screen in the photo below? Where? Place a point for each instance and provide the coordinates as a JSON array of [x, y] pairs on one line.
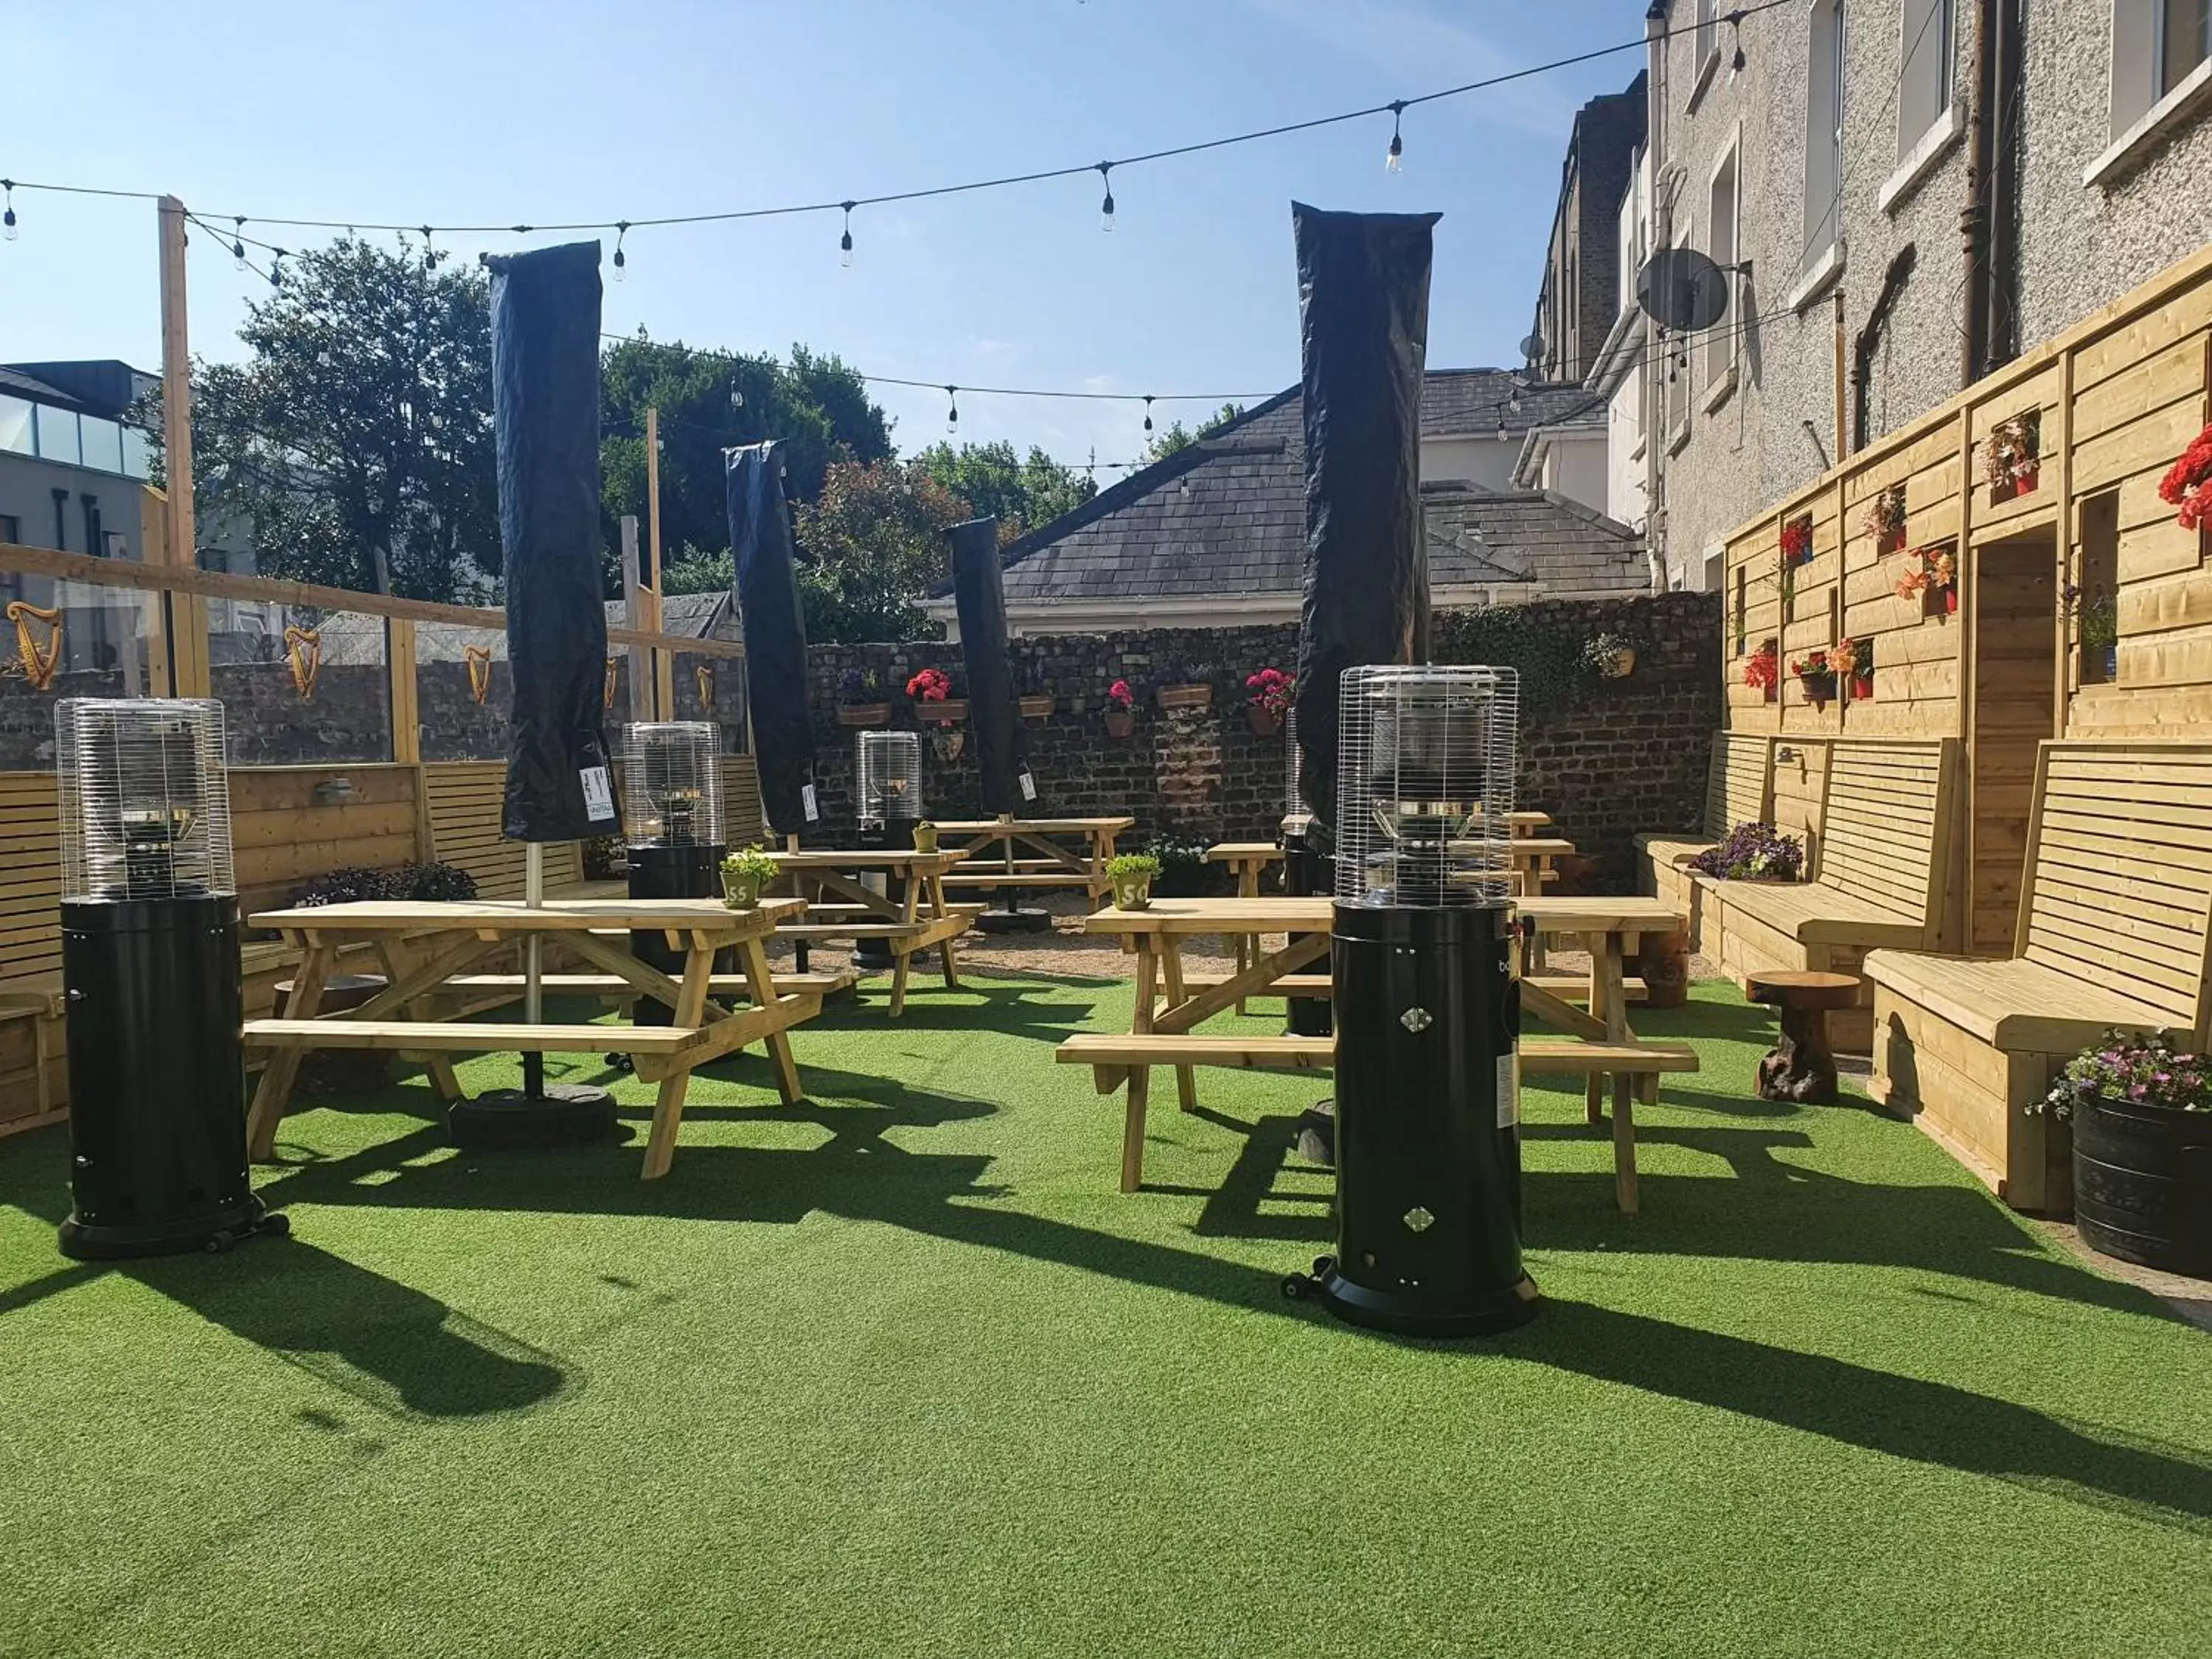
[[1883, 839], [1737, 788], [464, 800], [2120, 856], [30, 875]]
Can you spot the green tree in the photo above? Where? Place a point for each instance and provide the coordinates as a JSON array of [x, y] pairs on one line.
[[356, 440], [872, 543], [1023, 493], [817, 404], [1175, 435]]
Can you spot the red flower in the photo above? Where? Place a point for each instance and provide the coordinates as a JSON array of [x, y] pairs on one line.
[[1762, 669], [1120, 696], [1271, 689], [1797, 539], [2188, 484], [930, 685]]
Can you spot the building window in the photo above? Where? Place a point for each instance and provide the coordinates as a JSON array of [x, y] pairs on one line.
[[1824, 127], [1720, 238], [2161, 73], [1705, 47], [58, 439], [1923, 84], [2185, 40], [11, 529], [15, 427]]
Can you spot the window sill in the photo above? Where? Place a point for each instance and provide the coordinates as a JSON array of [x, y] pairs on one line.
[[1819, 277], [1679, 437], [1935, 144], [1702, 81], [2132, 148], [1721, 390]]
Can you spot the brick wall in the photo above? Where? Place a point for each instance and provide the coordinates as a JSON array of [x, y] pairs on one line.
[[1614, 759]]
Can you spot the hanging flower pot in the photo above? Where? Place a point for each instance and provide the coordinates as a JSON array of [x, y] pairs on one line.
[[1268, 692], [1038, 708], [1950, 601], [1264, 722], [1119, 722], [863, 714], [1185, 696]]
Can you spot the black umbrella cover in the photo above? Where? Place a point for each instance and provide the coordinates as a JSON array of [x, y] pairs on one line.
[[1363, 327], [546, 418], [776, 635], [979, 592]]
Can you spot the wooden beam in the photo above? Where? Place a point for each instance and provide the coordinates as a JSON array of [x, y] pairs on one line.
[[406, 714], [176, 391]]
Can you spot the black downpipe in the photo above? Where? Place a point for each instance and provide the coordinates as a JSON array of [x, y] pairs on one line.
[[1868, 341]]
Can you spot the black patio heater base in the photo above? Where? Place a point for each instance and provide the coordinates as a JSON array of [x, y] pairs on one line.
[[511, 1120], [1010, 918], [85, 1242]]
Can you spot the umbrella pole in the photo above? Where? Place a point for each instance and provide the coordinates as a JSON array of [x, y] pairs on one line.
[[533, 992]]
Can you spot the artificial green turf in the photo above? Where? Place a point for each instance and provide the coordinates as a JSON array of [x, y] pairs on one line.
[[897, 1371]]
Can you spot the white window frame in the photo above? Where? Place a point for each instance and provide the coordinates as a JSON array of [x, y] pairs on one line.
[[1926, 43], [1722, 348], [1823, 260], [2143, 117], [1704, 50]]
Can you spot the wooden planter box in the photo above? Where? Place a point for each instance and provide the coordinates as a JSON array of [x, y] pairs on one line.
[[1038, 708], [863, 714], [951, 711], [1185, 696]]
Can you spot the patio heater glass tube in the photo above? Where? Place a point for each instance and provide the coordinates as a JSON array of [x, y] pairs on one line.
[[1428, 1149], [887, 788], [149, 957], [672, 794]]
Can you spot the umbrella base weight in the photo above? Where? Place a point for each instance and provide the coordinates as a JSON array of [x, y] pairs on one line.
[[1013, 921], [504, 1120]]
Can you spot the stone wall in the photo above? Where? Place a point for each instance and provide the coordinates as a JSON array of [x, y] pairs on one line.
[[1610, 759]]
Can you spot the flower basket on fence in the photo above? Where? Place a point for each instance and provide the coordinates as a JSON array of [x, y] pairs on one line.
[[2188, 484], [1818, 675], [1038, 706], [1762, 671], [1885, 519], [861, 699], [1268, 699], [934, 701], [2012, 456], [1798, 541], [1120, 709]]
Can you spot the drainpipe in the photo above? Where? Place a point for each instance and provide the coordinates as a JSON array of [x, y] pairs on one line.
[[61, 519], [1974, 324], [1869, 341], [1989, 227]]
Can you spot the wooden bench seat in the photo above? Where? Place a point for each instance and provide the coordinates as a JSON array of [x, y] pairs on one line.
[[1878, 882], [463, 1036], [1569, 987], [976, 877], [2114, 931], [614, 988], [1540, 1056], [1739, 789]]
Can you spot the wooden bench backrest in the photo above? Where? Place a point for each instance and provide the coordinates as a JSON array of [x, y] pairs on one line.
[[30, 875], [1739, 782], [466, 798], [2119, 868], [1885, 825], [741, 803]]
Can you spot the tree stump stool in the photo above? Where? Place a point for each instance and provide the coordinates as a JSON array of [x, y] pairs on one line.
[[342, 1070], [1801, 1068]]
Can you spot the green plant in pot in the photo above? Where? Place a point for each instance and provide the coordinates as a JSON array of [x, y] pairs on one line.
[[744, 875], [2142, 1114], [925, 836], [1132, 874]]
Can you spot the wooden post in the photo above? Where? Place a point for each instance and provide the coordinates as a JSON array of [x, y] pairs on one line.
[[664, 665], [406, 713], [1842, 436], [641, 656], [183, 616]]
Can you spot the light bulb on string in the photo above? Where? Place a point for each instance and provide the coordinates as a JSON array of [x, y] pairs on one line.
[[1148, 414], [952, 409], [622, 230], [276, 267], [1395, 160], [845, 242], [1106, 207], [429, 253], [1736, 35], [8, 217], [736, 395], [238, 243]]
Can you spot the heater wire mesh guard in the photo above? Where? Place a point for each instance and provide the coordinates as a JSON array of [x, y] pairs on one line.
[[145, 802], [671, 784], [887, 776], [1425, 786]]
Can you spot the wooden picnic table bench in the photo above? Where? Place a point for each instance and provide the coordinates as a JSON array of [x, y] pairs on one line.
[[1037, 852], [840, 905], [454, 937], [1599, 1042]]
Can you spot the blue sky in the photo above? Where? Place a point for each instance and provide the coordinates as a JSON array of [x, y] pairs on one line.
[[481, 112]]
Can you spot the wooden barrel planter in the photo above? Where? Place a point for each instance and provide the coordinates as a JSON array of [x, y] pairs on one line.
[[2142, 1184]]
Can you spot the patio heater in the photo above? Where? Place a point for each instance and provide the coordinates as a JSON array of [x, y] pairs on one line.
[[887, 783], [672, 825], [1428, 1147], [149, 955]]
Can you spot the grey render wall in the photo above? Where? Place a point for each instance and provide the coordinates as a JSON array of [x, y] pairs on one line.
[[2081, 245]]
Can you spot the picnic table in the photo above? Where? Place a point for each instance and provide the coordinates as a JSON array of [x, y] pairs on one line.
[[840, 905], [1600, 1042], [449, 938], [1249, 861], [1037, 852]]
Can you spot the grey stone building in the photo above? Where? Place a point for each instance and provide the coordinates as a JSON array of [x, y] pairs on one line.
[[1579, 296], [1946, 182]]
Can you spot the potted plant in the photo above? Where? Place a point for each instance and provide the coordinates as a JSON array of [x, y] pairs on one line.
[[1120, 709], [1131, 875], [2142, 1116], [1267, 699], [1754, 852], [744, 875], [2011, 457], [932, 691], [1817, 675], [1853, 662], [1187, 685], [1885, 519], [1609, 656], [1762, 669], [2188, 483], [1183, 870], [925, 836], [1798, 541], [2097, 624], [861, 699]]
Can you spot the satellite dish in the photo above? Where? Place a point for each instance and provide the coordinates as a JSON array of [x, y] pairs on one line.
[[1532, 347], [1682, 289]]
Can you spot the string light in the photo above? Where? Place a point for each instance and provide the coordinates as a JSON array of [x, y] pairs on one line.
[[736, 395], [1106, 207], [1735, 35], [622, 230], [276, 267], [1148, 414], [8, 218], [1395, 161], [952, 409], [238, 243], [845, 242]]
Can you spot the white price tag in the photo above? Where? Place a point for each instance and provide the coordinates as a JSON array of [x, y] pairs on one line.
[[806, 802], [599, 795], [1029, 784], [1508, 1090]]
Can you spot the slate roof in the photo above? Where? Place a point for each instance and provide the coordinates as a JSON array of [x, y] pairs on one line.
[[1457, 402], [1226, 517]]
